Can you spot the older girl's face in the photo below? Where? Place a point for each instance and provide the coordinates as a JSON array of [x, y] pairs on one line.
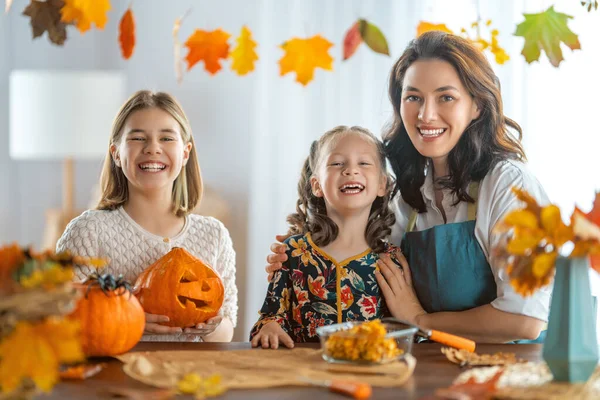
[[435, 107], [151, 151]]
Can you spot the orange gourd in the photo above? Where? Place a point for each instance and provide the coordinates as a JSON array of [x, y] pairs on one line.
[[182, 287], [111, 317]]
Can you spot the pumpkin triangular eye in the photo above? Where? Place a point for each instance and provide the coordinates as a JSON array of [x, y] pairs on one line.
[[188, 276]]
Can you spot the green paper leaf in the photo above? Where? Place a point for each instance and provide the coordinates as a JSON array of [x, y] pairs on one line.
[[545, 31], [373, 37]]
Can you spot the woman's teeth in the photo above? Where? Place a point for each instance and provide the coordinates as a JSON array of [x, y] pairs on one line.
[[152, 167], [432, 132]]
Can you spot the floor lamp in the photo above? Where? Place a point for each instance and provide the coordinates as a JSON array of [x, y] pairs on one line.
[[62, 115]]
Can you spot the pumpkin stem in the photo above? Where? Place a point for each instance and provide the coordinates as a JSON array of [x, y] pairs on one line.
[[107, 283]]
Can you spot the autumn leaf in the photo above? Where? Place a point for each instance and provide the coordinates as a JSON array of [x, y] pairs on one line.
[[471, 390], [45, 17], [35, 351], [207, 46], [127, 34], [85, 12], [428, 26], [590, 4], [352, 40], [545, 31], [177, 47], [303, 56], [244, 54], [373, 37]]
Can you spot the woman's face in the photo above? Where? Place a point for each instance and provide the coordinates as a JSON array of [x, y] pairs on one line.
[[435, 107]]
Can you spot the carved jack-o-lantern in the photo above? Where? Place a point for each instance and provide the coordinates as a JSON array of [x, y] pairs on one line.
[[181, 287]]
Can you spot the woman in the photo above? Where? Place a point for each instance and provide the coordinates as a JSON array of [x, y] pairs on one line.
[[455, 162]]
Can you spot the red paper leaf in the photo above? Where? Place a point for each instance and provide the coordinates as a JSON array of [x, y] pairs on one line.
[[127, 34], [352, 40]]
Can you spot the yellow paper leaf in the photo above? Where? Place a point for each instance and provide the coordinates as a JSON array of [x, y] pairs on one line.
[[524, 241], [7, 5], [303, 56], [521, 218], [207, 46], [552, 223], [85, 12], [428, 26], [543, 264], [244, 54]]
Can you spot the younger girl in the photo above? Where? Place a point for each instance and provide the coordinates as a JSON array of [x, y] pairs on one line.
[[150, 182], [341, 222]]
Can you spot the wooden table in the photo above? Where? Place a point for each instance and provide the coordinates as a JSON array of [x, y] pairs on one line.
[[432, 371]]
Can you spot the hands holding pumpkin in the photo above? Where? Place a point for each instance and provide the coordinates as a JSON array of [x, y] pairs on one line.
[[270, 335]]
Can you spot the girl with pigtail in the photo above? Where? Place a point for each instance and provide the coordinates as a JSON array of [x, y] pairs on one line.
[[340, 226]]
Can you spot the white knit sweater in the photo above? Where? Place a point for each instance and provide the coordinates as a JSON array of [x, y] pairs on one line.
[[130, 249]]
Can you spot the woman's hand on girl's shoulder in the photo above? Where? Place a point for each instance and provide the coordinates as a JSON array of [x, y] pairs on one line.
[[270, 335], [153, 326], [277, 257]]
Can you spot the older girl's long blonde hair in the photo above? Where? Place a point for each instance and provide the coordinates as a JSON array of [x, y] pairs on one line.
[[187, 188]]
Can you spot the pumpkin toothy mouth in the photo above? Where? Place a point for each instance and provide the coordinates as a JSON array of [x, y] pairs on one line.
[[198, 303]]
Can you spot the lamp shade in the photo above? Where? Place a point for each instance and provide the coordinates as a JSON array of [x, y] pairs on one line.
[[60, 114]]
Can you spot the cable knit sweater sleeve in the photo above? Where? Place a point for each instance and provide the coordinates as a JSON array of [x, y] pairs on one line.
[[81, 238], [226, 262]]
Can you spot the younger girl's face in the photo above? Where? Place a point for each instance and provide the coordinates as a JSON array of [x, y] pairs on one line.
[[436, 108], [349, 175], [151, 152]]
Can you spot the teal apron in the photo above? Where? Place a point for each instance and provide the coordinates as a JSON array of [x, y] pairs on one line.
[[449, 269]]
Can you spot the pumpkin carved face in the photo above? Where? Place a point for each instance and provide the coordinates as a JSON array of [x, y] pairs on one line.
[[181, 287]]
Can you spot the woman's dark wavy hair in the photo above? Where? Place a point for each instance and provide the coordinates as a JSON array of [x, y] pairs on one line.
[[311, 214], [485, 142]]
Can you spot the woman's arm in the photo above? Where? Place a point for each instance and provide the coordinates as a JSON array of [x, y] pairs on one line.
[[484, 324]]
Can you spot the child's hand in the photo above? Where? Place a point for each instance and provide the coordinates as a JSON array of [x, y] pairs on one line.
[[270, 335], [205, 328], [276, 259], [153, 326]]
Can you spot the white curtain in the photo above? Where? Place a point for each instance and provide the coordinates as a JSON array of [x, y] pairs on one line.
[[556, 107]]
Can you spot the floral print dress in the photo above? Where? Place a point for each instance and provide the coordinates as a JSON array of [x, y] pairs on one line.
[[313, 289]]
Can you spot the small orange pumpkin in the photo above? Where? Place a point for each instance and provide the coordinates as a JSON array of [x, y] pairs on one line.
[[181, 287], [111, 318]]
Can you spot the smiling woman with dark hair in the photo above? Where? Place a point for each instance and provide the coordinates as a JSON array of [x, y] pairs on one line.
[[455, 159]]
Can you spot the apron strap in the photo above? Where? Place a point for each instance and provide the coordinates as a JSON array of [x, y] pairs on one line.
[[473, 190], [412, 220], [472, 207]]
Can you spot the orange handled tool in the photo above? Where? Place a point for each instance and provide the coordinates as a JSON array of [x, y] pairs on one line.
[[448, 339], [356, 390]]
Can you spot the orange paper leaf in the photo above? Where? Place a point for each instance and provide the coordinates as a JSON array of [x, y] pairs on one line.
[[428, 26], [45, 17], [352, 40], [127, 34], [81, 371], [471, 390], [303, 56], [244, 56], [207, 46], [85, 12]]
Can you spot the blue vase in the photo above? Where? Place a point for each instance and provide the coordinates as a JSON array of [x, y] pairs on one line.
[[571, 347]]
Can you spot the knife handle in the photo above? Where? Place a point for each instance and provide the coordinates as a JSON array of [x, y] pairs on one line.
[[452, 340]]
